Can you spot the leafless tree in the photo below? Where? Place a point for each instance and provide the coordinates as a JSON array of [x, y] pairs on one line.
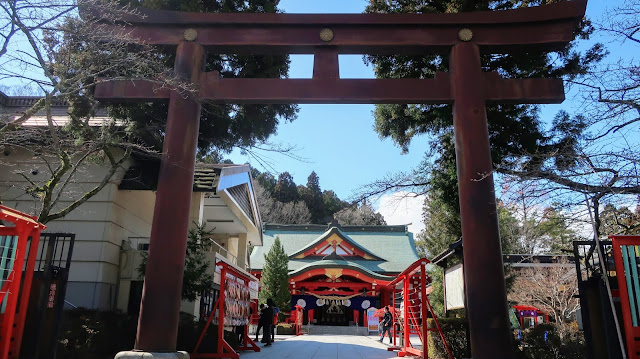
[[594, 153], [273, 211], [47, 45], [552, 289], [362, 215]]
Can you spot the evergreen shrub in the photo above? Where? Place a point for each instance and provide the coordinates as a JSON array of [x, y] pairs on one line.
[[92, 334]]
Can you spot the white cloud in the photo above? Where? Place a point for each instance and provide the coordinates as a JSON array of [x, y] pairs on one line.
[[402, 208]]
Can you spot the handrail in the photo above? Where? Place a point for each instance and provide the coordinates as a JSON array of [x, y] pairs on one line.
[[211, 242], [71, 304]]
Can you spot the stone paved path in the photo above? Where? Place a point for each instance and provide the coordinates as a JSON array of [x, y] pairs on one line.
[[324, 347]]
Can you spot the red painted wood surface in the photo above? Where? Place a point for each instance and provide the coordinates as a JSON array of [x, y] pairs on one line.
[[545, 27], [162, 291], [631, 333], [13, 319]]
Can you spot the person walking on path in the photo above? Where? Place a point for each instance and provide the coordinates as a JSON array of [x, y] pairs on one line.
[[260, 321], [267, 320], [386, 324]]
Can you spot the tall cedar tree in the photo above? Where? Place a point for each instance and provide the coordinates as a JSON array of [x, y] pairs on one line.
[[514, 130], [275, 277], [222, 126], [312, 196]]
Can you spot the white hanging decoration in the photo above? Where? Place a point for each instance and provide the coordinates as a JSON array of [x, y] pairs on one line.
[[301, 302], [366, 304], [320, 302], [347, 302]]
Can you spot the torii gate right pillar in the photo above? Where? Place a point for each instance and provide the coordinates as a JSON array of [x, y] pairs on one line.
[[485, 288]]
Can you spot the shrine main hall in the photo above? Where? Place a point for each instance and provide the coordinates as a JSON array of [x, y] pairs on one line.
[[337, 272]]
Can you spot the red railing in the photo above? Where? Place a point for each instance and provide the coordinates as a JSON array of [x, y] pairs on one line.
[[13, 301], [415, 309]]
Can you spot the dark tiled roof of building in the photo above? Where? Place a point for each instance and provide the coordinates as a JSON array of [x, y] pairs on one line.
[[143, 175], [205, 178]]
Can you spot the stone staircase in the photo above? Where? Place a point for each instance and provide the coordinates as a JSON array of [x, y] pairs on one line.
[[333, 330]]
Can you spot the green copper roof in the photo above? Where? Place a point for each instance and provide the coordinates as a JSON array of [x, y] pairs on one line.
[[392, 244]]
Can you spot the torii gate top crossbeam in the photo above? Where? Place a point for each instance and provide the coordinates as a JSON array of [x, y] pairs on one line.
[[545, 27]]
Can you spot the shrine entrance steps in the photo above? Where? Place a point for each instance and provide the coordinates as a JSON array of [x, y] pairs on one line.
[[334, 330]]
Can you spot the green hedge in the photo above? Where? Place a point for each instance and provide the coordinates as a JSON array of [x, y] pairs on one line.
[[569, 345], [91, 334], [454, 332]]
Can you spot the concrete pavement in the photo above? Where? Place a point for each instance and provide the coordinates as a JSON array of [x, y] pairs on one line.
[[324, 347]]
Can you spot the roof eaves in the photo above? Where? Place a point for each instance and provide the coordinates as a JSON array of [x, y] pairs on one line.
[[344, 236]]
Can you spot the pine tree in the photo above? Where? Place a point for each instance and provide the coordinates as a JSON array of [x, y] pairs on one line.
[[275, 277]]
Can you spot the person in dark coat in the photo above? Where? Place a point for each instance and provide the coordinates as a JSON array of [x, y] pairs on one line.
[[386, 324], [267, 320]]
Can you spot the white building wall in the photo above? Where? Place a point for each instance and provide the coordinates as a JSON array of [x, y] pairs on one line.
[[100, 224], [108, 229]]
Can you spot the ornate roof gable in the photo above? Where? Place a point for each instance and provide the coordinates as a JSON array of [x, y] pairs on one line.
[[335, 242]]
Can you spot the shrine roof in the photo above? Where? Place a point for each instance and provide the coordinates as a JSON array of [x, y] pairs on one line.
[[393, 245], [326, 235], [333, 263]]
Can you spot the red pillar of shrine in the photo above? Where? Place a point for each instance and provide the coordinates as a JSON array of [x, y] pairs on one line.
[[487, 305], [162, 292], [385, 297]]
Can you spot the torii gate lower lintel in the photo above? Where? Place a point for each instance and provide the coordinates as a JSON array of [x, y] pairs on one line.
[[326, 36]]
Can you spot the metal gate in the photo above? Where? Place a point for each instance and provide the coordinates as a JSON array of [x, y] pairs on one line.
[[48, 292]]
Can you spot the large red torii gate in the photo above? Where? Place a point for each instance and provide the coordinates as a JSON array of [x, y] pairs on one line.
[[544, 28]]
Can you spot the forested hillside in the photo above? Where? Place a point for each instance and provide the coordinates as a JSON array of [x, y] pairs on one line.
[[283, 201]]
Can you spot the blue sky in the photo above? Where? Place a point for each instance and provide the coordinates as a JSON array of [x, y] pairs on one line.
[[338, 141]]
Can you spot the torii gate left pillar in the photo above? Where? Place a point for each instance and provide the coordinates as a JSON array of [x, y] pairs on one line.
[[465, 86], [162, 291]]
